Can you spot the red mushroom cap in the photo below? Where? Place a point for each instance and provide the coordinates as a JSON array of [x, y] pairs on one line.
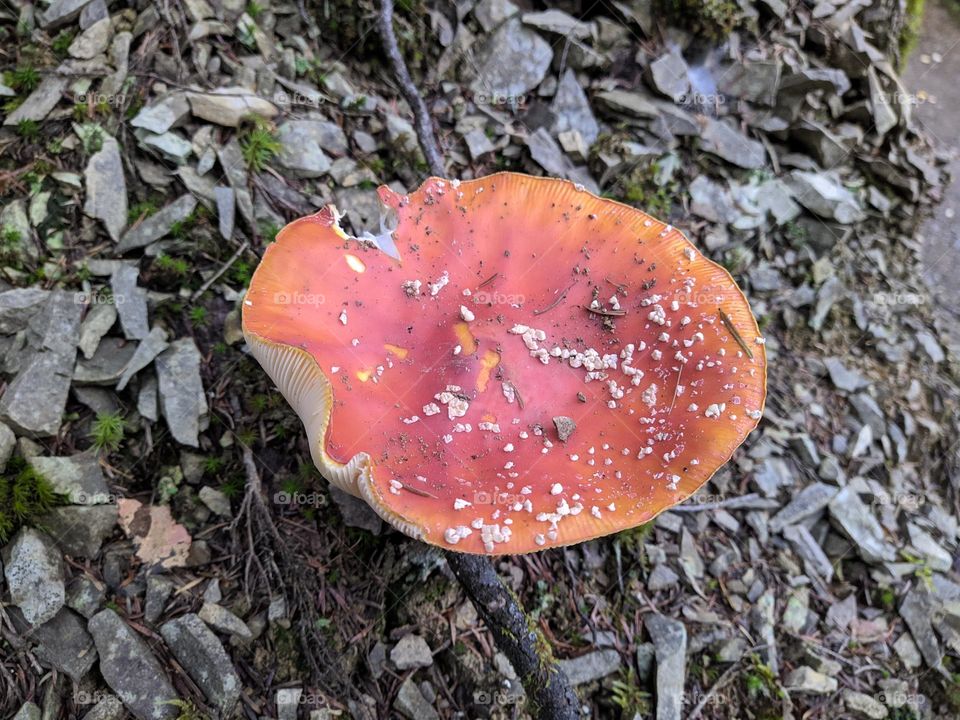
[[538, 367]]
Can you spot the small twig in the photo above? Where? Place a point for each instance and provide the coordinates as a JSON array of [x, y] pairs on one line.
[[557, 301], [488, 280], [421, 116], [728, 323], [604, 312], [223, 268]]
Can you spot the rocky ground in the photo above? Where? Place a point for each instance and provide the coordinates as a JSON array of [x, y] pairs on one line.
[[148, 154]]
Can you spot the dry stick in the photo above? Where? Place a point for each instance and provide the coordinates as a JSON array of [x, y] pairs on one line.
[[421, 117], [547, 687]]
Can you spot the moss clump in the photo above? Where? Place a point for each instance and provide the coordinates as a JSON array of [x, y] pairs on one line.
[[913, 20], [710, 19], [24, 496]]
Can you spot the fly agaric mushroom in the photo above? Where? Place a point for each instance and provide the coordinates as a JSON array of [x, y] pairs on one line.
[[533, 366]]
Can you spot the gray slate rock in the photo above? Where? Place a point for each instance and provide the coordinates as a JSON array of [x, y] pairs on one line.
[[106, 188], [8, 441], [182, 398], [108, 708], [78, 477], [410, 652], [202, 655], [100, 318], [844, 378], [62, 12], [811, 500], [304, 145], [27, 711], [356, 512], [858, 523], [164, 114], [157, 225], [222, 620], [80, 530], [571, 109], [668, 74], [130, 668], [670, 642], [107, 364], [229, 106], [158, 591], [34, 401], [720, 139], [513, 61], [64, 644], [592, 666], [34, 571], [411, 702], [823, 194], [40, 102], [152, 345]]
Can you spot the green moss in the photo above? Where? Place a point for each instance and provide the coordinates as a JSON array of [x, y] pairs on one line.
[[711, 19], [627, 695], [24, 496], [259, 144], [913, 20], [28, 129], [107, 432]]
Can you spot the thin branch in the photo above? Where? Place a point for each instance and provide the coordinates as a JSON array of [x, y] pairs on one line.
[[546, 685], [421, 116]]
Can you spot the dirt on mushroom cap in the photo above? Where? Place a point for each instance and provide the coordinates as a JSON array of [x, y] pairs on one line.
[[514, 300]]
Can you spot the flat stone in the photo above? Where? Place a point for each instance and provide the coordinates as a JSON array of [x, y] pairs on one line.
[[228, 106], [412, 704], [202, 655], [107, 364], [775, 197], [62, 12], [491, 13], [34, 572], [19, 306], [571, 109], [478, 144], [222, 620], [96, 324], [410, 652], [40, 102], [720, 139], [823, 194], [756, 82], [106, 188], [147, 350], [356, 512], [171, 145], [863, 704], [92, 41], [64, 644], [857, 521], [34, 401], [842, 377], [159, 224], [661, 578], [226, 211], [808, 502], [79, 530], [809, 79], [513, 61], [805, 679], [165, 114], [147, 404], [182, 398], [8, 441], [130, 669], [711, 200], [632, 103], [158, 591], [77, 477], [558, 22], [302, 144], [668, 74], [131, 302], [592, 666], [670, 642], [85, 596], [908, 652], [216, 501], [108, 708]]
